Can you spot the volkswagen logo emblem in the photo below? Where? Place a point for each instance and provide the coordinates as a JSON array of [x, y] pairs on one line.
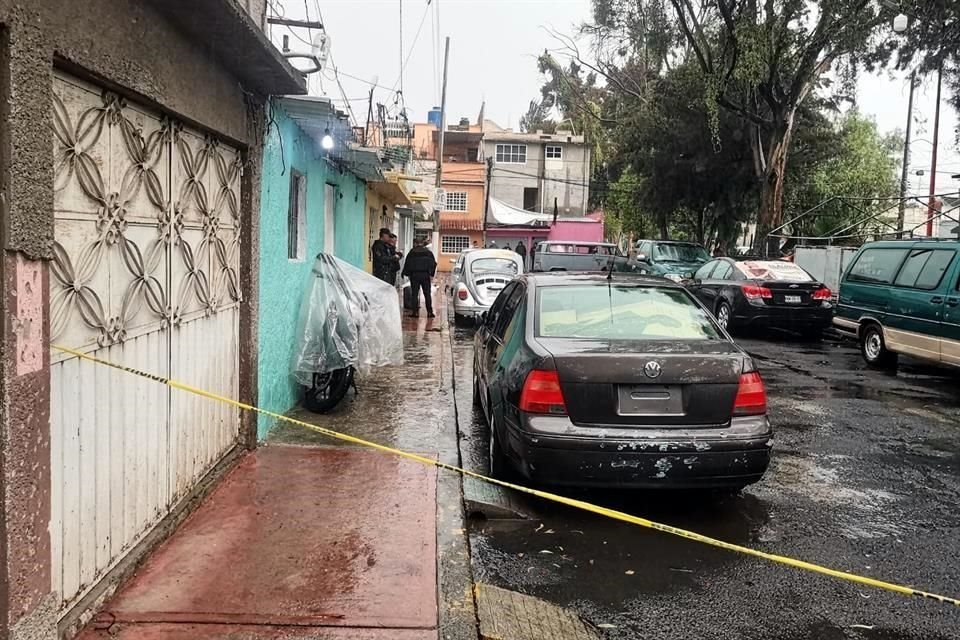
[[652, 369]]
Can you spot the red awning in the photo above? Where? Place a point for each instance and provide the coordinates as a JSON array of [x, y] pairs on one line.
[[460, 225]]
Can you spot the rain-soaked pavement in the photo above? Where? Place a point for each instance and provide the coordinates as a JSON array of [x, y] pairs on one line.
[[865, 478]]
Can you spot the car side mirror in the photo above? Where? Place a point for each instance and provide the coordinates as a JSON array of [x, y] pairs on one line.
[[642, 257]]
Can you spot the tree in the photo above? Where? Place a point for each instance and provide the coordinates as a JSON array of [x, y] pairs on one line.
[[846, 170], [536, 118], [696, 185], [760, 62]]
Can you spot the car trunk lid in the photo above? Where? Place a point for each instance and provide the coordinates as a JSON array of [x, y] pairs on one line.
[[647, 383], [790, 294]]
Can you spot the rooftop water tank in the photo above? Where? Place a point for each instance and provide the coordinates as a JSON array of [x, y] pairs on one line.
[[433, 117]]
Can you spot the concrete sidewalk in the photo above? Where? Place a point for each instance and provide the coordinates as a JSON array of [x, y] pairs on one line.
[[310, 538]]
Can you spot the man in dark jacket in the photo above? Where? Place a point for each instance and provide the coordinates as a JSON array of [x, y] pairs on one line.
[[522, 252], [420, 267], [384, 258], [399, 257]]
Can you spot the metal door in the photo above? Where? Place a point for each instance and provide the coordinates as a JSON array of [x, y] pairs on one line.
[[145, 274]]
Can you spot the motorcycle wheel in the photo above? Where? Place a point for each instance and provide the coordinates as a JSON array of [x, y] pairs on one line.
[[328, 390]]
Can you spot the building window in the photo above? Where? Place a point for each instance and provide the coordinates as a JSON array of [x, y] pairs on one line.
[[512, 153], [554, 152], [297, 217], [456, 201], [454, 244], [530, 198]]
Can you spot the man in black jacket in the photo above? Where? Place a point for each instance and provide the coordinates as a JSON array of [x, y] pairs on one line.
[[384, 258], [420, 267]]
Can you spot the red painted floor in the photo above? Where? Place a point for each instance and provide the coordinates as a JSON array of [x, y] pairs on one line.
[[295, 539]]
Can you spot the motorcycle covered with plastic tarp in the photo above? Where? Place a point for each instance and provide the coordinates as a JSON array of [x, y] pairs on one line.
[[349, 322]]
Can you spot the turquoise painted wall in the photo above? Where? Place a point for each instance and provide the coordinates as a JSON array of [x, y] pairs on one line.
[[283, 281]]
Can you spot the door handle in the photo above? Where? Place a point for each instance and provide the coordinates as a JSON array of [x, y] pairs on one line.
[[952, 302], [936, 299]]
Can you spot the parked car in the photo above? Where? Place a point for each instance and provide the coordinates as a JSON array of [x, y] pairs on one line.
[[902, 296], [477, 278], [769, 293], [676, 261], [623, 382], [579, 256]]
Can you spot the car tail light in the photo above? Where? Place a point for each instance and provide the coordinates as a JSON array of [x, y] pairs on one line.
[[753, 292], [751, 396], [462, 292], [541, 393], [822, 294]]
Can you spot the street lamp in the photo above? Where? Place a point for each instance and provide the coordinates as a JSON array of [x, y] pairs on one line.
[[327, 142]]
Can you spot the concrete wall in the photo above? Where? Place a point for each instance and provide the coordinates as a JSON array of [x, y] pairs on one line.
[[565, 179], [283, 281], [137, 50]]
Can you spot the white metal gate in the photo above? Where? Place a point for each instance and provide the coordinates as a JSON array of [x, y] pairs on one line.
[[145, 274]]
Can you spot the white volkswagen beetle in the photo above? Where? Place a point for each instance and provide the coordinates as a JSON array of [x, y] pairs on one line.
[[478, 276]]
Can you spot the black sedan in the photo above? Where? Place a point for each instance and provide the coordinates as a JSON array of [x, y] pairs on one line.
[[769, 293], [624, 381]]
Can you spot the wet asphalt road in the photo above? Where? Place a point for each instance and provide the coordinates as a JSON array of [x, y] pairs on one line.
[[865, 478]]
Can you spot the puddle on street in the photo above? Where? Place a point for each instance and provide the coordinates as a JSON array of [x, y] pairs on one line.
[[566, 553]]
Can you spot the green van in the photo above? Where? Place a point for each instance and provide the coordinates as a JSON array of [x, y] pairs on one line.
[[903, 296]]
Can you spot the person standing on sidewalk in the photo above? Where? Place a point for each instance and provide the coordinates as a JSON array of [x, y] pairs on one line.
[[399, 258], [420, 267], [522, 252], [384, 258]]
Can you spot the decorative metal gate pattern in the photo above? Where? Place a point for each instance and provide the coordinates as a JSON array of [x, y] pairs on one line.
[[145, 273]]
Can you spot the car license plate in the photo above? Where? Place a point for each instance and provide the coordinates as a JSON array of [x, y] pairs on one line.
[[792, 299], [650, 400]]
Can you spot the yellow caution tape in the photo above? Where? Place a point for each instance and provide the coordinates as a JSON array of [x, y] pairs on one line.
[[546, 495]]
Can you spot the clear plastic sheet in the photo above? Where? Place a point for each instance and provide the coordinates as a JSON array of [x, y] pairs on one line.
[[348, 318]]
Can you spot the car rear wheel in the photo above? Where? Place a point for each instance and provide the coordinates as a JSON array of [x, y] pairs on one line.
[[874, 349], [724, 316]]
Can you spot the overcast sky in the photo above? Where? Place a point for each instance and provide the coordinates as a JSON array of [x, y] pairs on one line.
[[493, 49]]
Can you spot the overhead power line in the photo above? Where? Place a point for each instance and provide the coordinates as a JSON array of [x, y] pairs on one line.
[[413, 45]]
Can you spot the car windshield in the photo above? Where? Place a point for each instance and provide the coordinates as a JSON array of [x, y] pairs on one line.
[[672, 252], [494, 265], [621, 312]]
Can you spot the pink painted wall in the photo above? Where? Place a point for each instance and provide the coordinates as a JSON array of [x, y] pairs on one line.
[[576, 231]]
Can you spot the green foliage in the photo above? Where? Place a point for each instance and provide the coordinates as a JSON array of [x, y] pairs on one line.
[[836, 164], [689, 107]]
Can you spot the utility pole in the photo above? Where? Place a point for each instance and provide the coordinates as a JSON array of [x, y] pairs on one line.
[[904, 174], [443, 126], [366, 129], [486, 202], [931, 204]]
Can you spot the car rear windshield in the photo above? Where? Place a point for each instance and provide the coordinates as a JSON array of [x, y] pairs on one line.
[[621, 312], [497, 265], [773, 270], [679, 253]]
